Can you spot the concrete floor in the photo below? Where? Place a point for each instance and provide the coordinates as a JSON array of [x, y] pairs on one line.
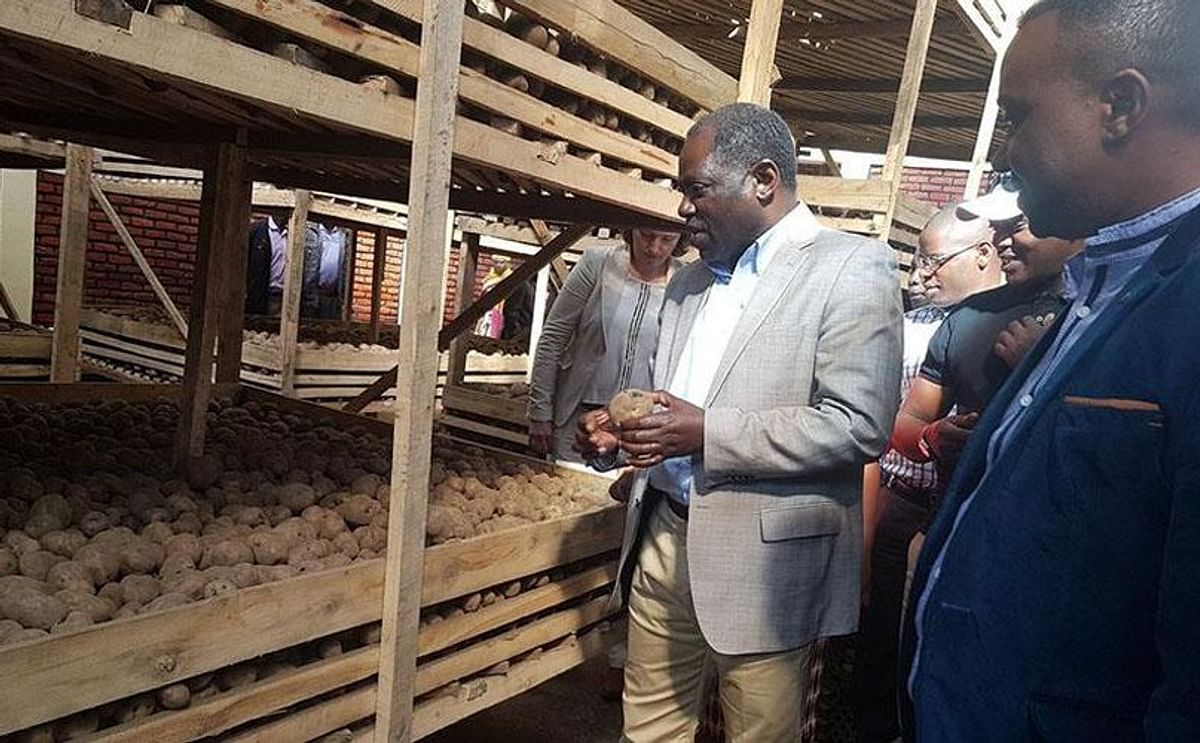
[[565, 709]]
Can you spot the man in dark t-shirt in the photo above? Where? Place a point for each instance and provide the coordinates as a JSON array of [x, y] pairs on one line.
[[977, 345]]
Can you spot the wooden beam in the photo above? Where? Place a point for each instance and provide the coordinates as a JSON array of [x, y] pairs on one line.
[[975, 21], [793, 30], [6, 304], [140, 259], [35, 148], [927, 121], [811, 84], [758, 56], [467, 267], [624, 37], [219, 209], [378, 266], [72, 256], [424, 259], [987, 128], [831, 164], [231, 301], [906, 103], [541, 298], [293, 285]]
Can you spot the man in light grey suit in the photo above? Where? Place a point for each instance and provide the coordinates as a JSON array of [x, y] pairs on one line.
[[778, 376]]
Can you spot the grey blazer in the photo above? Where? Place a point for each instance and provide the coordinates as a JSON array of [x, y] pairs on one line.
[[804, 396], [574, 338]]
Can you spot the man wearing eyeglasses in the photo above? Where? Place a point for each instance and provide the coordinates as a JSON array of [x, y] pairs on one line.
[[964, 367], [956, 259]]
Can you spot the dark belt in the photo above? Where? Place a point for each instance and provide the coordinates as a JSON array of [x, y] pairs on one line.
[[916, 496], [677, 508]]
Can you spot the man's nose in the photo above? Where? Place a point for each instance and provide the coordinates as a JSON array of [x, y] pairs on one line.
[[686, 207]]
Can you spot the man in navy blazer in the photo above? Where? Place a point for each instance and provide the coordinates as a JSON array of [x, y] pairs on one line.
[[1057, 597]]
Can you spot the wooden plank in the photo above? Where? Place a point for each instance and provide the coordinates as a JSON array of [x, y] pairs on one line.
[[758, 55], [435, 637], [624, 37], [465, 294], [349, 35], [987, 126], [72, 256], [140, 259], [293, 279], [421, 292], [378, 264], [541, 299], [906, 103], [978, 24], [239, 706], [217, 205], [795, 28], [485, 429], [440, 712], [6, 304], [843, 193], [469, 400], [128, 656], [25, 345], [313, 722], [33, 147], [231, 298], [814, 84], [831, 164], [527, 58]]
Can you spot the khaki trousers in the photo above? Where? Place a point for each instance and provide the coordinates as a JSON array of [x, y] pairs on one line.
[[762, 696]]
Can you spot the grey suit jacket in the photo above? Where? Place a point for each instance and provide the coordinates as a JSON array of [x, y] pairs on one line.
[[804, 396]]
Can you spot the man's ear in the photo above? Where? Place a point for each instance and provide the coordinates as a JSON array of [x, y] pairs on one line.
[[984, 253], [766, 180], [1125, 99]]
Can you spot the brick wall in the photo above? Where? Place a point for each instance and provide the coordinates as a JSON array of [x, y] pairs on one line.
[[166, 232], [936, 186]]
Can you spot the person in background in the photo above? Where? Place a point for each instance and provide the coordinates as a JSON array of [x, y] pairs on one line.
[[956, 258], [278, 238], [600, 335], [332, 242], [1058, 593], [778, 375], [258, 268]]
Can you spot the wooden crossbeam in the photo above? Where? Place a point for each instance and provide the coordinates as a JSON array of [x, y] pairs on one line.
[[929, 121], [812, 84], [140, 259], [792, 30], [469, 316]]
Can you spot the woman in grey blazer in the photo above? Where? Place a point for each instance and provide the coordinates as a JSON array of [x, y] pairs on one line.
[[600, 335]]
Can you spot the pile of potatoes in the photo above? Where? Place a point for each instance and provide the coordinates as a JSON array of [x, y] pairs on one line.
[[95, 526]]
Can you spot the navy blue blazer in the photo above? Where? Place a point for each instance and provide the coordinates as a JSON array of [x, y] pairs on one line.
[[1068, 604]]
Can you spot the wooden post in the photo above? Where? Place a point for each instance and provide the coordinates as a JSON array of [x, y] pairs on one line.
[[6, 304], [378, 264], [987, 127], [231, 298], [424, 259], [540, 300], [140, 259], [906, 105], [758, 56], [835, 170], [72, 253], [468, 264], [221, 237], [293, 281]]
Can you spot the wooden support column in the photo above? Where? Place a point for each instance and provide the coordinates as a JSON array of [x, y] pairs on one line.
[[541, 297], [424, 260], [231, 298], [835, 170], [378, 265], [72, 254], [221, 238], [906, 105], [987, 127], [759, 72], [468, 264], [293, 283], [140, 259]]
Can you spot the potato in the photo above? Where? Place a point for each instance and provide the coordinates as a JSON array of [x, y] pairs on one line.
[[181, 503], [53, 505], [270, 548], [220, 587], [276, 515], [37, 564], [250, 516], [371, 538], [346, 544], [71, 576], [20, 543], [8, 627], [135, 708], [175, 565], [33, 609], [74, 620], [140, 589], [175, 696], [25, 635], [245, 575], [9, 564], [446, 522], [141, 556], [102, 561], [297, 497], [94, 522], [63, 543], [628, 405], [158, 532], [188, 523], [99, 609], [204, 471], [368, 485], [167, 601], [235, 677], [335, 560], [112, 593], [190, 583], [227, 552], [360, 510], [77, 726], [296, 530], [307, 551], [188, 545]]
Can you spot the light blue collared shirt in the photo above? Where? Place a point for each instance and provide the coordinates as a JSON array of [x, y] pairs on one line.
[[721, 309], [1100, 274]]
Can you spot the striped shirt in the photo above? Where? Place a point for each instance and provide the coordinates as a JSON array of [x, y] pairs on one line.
[[919, 328]]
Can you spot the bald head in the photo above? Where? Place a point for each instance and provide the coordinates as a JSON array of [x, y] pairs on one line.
[[957, 257]]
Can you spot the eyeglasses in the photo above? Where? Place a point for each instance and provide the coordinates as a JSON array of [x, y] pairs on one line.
[[934, 263]]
